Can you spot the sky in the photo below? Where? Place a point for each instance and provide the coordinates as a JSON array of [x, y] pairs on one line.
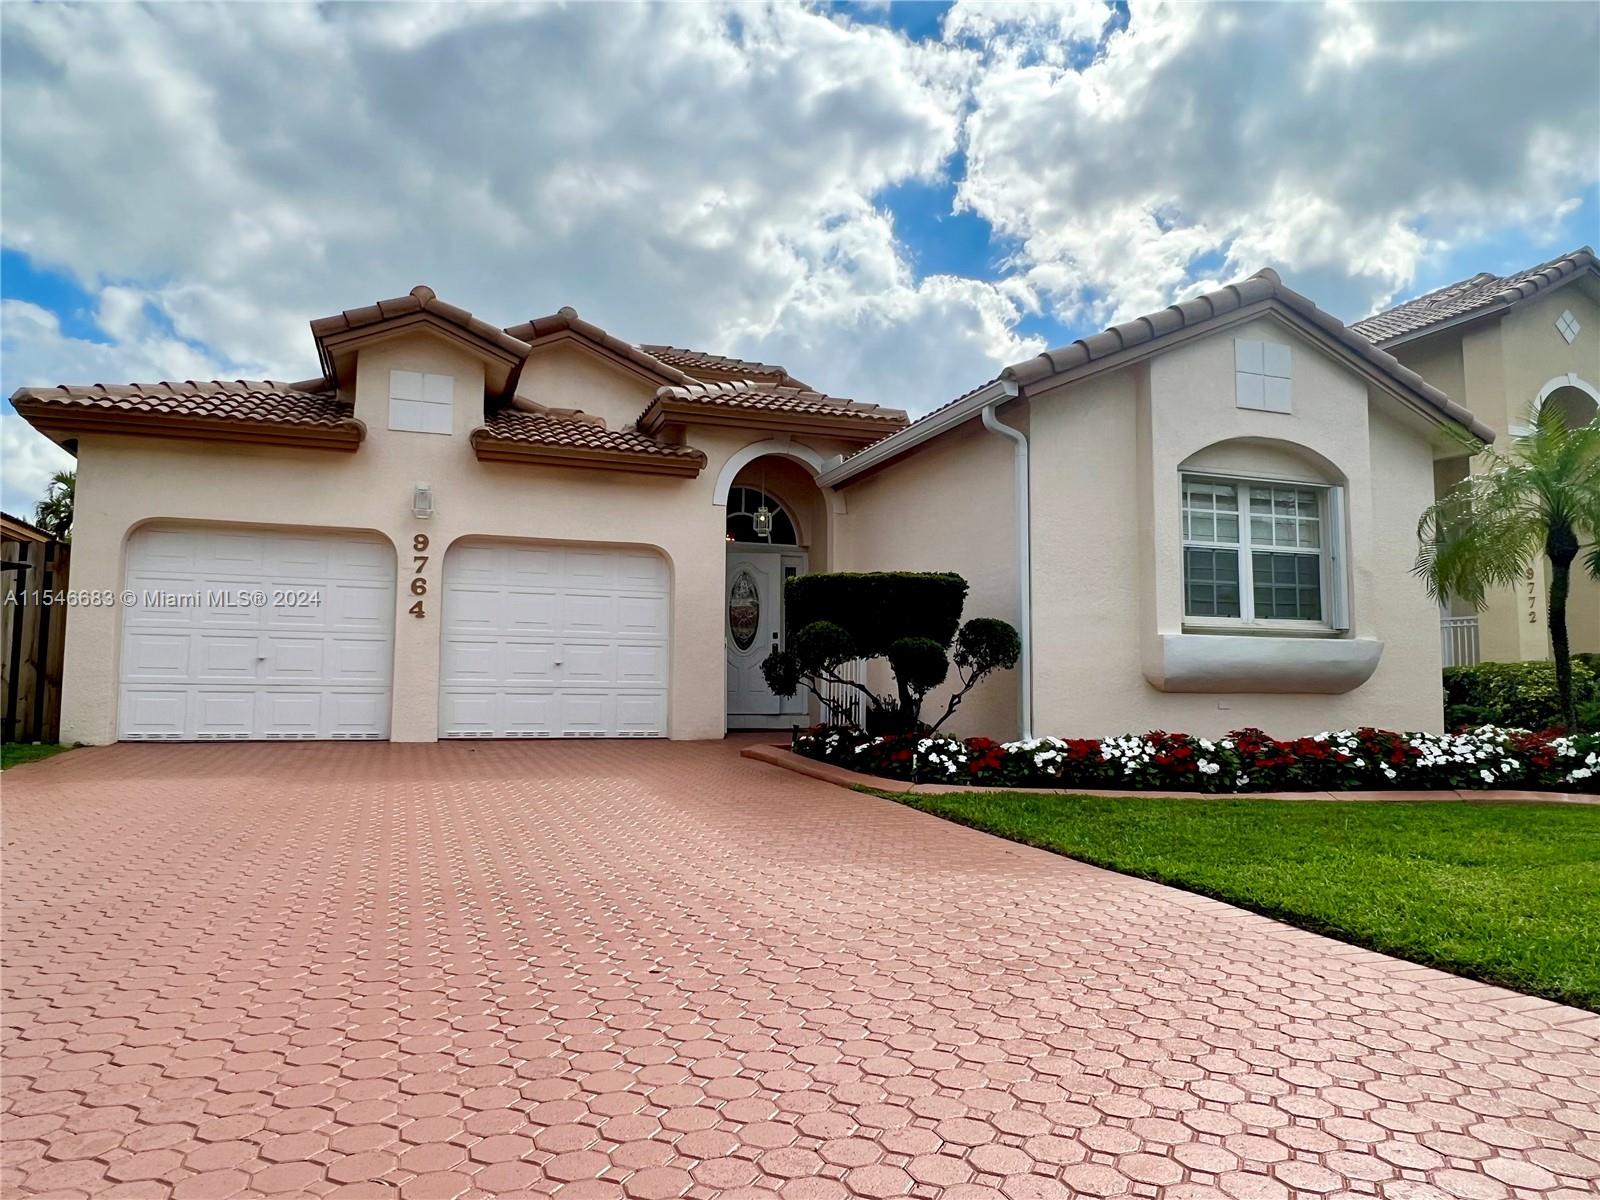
[[893, 200]]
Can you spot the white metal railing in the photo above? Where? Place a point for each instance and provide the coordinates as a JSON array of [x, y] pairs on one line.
[[1458, 640], [845, 705]]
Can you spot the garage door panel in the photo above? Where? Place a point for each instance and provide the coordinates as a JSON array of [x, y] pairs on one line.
[[580, 713], [588, 663], [235, 554], [596, 569], [229, 713], [536, 643], [469, 713], [528, 714], [641, 665], [641, 616], [286, 713], [157, 712], [157, 656], [357, 660], [527, 612], [641, 714], [255, 670], [645, 572], [360, 606], [588, 612], [149, 589], [219, 657], [356, 714]]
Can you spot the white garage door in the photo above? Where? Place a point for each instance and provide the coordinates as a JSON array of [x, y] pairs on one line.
[[553, 641], [242, 633]]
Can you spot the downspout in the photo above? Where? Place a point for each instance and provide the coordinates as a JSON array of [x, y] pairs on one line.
[[993, 424]]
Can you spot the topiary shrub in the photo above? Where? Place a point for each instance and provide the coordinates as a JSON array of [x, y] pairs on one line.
[[1517, 695], [910, 618]]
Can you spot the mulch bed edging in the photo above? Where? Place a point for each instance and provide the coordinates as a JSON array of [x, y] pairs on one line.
[[780, 756]]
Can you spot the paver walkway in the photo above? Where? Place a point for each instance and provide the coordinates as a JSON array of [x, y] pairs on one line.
[[597, 969]]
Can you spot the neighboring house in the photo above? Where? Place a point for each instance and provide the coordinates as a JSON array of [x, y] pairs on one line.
[[545, 531], [1501, 347]]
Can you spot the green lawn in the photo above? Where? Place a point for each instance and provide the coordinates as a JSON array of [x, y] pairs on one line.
[[15, 756], [1506, 893]]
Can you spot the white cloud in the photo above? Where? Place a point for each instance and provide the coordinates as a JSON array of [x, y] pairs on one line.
[[1342, 142], [693, 174], [215, 176], [33, 348]]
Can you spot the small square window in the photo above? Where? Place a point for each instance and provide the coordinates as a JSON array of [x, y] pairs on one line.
[[1263, 374], [1567, 325], [421, 403]]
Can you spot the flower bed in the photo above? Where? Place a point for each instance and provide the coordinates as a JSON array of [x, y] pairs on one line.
[[1245, 760]]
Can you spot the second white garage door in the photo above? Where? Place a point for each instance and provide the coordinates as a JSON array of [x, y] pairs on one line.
[[553, 641]]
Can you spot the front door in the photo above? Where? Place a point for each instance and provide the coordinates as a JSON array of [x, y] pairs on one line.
[[754, 629]]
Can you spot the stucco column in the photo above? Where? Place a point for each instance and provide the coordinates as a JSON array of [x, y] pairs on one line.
[[414, 706], [89, 669]]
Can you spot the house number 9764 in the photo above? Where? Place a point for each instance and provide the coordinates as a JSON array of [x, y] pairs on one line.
[[419, 564]]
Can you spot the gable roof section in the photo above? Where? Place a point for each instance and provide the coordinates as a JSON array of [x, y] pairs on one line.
[[339, 336], [566, 324], [517, 435], [1141, 337], [303, 414], [1467, 298], [1261, 292], [795, 409]]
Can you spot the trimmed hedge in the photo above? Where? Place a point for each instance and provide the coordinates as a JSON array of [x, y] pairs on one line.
[[878, 608], [1518, 695]]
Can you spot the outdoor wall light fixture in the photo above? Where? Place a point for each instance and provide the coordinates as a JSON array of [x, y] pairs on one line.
[[422, 500]]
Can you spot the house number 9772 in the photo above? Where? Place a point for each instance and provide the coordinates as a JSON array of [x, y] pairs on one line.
[[419, 564]]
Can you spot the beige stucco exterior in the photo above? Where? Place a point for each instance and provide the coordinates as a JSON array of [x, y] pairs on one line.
[[1112, 650], [1498, 366], [1108, 453], [126, 482]]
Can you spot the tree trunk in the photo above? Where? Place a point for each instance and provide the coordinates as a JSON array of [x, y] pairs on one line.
[[1561, 545]]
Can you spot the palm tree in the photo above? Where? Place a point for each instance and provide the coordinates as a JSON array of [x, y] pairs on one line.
[[1541, 496], [53, 514]]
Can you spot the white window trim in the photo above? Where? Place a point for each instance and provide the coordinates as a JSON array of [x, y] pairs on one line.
[[1335, 591]]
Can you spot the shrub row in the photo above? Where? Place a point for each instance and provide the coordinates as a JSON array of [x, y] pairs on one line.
[[1519, 695], [1245, 760]]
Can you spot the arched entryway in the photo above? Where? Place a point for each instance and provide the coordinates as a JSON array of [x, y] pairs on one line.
[[776, 528]]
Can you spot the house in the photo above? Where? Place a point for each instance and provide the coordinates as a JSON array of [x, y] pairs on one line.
[[1503, 346], [1203, 519]]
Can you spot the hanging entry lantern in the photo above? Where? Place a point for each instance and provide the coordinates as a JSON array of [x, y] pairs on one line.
[[761, 521]]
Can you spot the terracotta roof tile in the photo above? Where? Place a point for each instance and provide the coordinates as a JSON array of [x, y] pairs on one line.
[[691, 361], [1264, 285], [257, 401], [542, 429], [1466, 296], [747, 395]]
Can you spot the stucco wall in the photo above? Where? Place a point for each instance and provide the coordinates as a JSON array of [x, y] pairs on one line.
[[124, 482], [948, 507], [1108, 554], [564, 375]]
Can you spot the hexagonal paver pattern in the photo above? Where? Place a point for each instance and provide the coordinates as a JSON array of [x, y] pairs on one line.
[[658, 970]]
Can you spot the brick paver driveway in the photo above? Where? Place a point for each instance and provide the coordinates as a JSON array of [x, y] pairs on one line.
[[596, 969]]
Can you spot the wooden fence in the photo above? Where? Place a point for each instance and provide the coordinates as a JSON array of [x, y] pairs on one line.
[[31, 637]]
